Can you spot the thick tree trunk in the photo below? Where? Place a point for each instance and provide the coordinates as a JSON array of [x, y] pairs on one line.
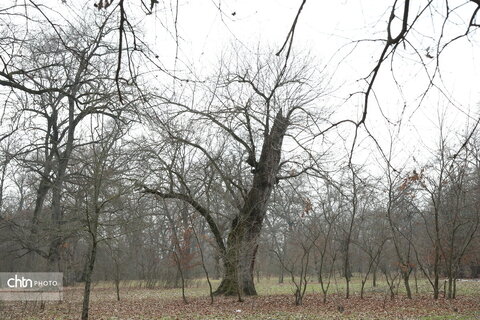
[[241, 249], [2, 181], [56, 221], [53, 261], [58, 185], [54, 253], [42, 191], [239, 261]]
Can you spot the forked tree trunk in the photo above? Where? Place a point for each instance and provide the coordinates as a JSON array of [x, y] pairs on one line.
[[241, 249], [242, 242]]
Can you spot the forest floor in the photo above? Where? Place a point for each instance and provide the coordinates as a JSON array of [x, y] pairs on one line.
[[275, 301]]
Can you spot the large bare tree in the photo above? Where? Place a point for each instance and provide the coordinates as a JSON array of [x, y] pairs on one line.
[[252, 125]]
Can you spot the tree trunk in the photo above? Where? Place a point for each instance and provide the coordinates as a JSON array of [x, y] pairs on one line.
[[42, 192], [362, 288], [117, 281], [88, 280], [454, 293], [239, 262], [450, 287], [217, 268], [436, 286], [53, 261], [241, 249], [406, 278], [346, 271], [416, 281], [57, 210]]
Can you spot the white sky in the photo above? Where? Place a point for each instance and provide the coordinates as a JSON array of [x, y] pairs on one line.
[[327, 30]]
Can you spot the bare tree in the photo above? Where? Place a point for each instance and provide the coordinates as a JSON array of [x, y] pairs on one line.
[[357, 201], [100, 185], [59, 81], [327, 213], [301, 241], [249, 108], [371, 241]]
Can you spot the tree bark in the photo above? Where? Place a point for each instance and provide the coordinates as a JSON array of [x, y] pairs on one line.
[[88, 279], [406, 278], [239, 260]]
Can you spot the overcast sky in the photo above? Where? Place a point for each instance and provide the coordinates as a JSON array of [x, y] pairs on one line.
[[329, 31]]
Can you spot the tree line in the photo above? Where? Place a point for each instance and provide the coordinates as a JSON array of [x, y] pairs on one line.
[[114, 173]]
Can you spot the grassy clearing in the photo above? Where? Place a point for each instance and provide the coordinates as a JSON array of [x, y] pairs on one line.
[[270, 286]]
